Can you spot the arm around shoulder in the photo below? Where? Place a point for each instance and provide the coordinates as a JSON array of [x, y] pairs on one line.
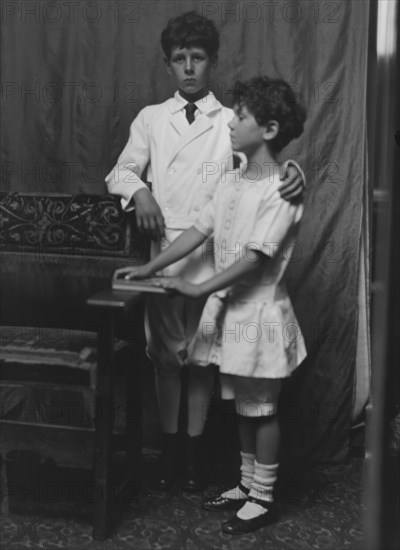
[[293, 181]]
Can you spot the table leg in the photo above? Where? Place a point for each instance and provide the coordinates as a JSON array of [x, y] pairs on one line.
[[103, 426]]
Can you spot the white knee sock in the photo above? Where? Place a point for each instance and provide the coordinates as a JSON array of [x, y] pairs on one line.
[[246, 479], [265, 476]]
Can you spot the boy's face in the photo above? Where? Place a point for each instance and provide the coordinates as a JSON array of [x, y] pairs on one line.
[[246, 134], [190, 68]]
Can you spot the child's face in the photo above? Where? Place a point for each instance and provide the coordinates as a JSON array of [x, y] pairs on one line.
[[246, 134], [190, 68]]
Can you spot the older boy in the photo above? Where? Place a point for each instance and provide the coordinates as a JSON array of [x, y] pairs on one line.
[[176, 139]]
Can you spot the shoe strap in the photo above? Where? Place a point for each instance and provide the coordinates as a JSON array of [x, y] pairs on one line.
[[245, 490], [263, 503]]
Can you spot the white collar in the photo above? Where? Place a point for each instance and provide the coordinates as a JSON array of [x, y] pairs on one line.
[[206, 104]]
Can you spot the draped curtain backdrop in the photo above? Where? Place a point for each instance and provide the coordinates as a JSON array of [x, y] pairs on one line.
[[75, 74]]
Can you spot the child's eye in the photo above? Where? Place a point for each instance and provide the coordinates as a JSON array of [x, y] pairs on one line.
[[238, 112]]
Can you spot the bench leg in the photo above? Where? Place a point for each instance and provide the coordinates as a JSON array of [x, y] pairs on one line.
[[103, 426]]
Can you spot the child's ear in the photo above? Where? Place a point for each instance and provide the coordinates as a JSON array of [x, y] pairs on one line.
[[214, 61], [271, 130]]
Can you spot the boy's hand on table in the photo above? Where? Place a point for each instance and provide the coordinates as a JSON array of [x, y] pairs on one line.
[[293, 185], [129, 273], [179, 285], [149, 218]]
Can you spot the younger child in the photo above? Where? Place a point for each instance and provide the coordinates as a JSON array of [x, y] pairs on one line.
[[248, 326]]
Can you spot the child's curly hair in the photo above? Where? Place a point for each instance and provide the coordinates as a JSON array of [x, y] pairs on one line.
[[269, 99], [190, 30]]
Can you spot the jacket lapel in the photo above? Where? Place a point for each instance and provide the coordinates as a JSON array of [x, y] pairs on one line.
[[201, 125], [178, 122]]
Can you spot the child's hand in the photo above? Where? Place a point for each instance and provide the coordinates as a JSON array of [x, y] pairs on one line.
[[292, 188], [179, 285], [129, 273], [149, 218]]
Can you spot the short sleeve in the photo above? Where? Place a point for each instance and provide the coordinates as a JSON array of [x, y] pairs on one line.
[[275, 220]]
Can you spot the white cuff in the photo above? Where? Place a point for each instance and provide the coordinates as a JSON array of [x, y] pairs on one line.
[[255, 410]]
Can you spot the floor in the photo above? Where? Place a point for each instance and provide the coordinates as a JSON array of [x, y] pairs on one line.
[[321, 507]]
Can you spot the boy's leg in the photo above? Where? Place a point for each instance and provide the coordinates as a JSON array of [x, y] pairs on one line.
[[199, 391], [166, 349], [236, 497], [168, 398], [261, 414], [171, 323], [265, 468], [168, 392], [200, 387]]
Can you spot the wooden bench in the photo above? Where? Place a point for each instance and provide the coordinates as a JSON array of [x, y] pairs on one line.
[[66, 337]]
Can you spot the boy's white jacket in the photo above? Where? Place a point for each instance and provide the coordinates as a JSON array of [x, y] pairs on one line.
[[184, 162]]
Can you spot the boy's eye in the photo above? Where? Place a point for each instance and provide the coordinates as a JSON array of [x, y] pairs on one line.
[[182, 59], [177, 59]]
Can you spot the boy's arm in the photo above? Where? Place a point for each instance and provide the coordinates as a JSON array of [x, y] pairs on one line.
[[180, 247], [124, 179], [294, 182], [250, 261], [149, 218]]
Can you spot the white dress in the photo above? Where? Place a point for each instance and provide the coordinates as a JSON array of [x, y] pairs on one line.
[[250, 328]]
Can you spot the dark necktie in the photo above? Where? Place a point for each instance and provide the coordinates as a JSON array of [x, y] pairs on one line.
[[190, 109]]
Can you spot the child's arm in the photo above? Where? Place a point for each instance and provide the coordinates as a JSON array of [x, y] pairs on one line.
[[293, 182], [149, 218], [250, 261], [125, 180], [183, 245]]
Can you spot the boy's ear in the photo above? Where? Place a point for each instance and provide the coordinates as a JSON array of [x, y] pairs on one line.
[[271, 130]]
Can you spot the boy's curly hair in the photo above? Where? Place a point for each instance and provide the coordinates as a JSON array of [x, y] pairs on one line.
[[269, 99], [190, 30]]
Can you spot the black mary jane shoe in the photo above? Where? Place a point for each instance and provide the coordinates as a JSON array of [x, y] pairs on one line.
[[237, 526], [220, 503]]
